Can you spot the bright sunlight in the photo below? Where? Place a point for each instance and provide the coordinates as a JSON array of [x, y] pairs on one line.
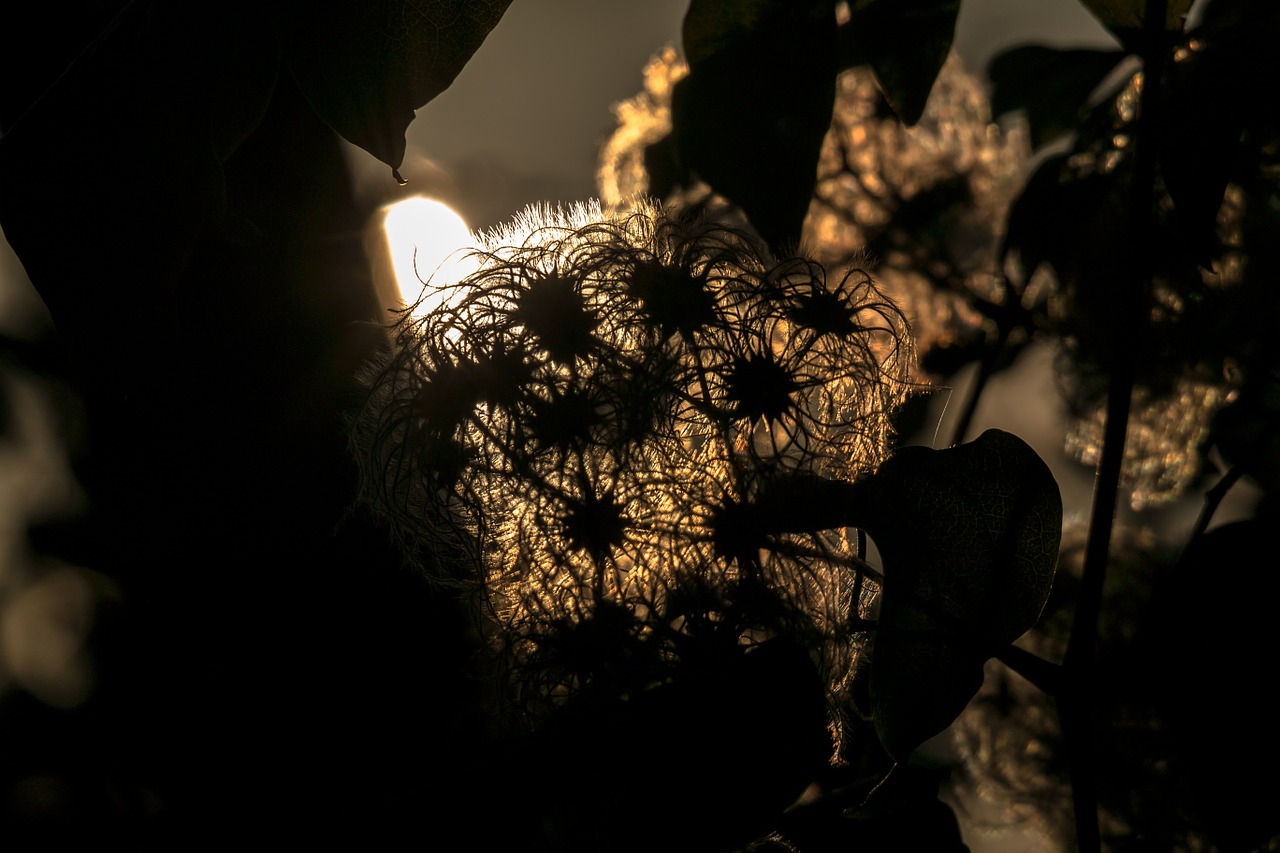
[[430, 244]]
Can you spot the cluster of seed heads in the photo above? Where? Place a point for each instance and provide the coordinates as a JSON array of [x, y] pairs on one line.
[[581, 429]]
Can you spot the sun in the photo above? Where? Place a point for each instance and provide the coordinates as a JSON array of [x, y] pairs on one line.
[[430, 245]]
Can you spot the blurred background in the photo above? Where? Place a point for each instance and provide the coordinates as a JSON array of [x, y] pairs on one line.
[[522, 124]]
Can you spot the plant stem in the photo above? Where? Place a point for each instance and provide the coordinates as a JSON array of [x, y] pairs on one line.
[[1043, 674], [1075, 702], [986, 369]]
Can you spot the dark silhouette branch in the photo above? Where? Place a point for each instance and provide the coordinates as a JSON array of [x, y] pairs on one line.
[[1045, 675], [1075, 699]]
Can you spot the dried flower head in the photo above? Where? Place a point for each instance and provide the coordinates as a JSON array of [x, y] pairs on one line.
[[926, 203], [583, 429]]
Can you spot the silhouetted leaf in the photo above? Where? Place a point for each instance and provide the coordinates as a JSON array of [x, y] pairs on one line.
[[1124, 17], [1246, 432], [367, 66], [1209, 108], [1077, 224], [906, 42], [969, 537], [123, 156], [1037, 218], [903, 813], [750, 117], [144, 120], [707, 761], [1228, 712], [1051, 85]]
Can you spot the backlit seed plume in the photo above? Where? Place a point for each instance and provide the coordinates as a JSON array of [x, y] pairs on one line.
[[580, 431], [926, 204]]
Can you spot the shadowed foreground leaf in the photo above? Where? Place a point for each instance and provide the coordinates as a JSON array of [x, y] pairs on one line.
[[122, 159], [1213, 117], [366, 66], [750, 117], [903, 813], [969, 537], [906, 44], [1052, 85], [143, 124], [1125, 17]]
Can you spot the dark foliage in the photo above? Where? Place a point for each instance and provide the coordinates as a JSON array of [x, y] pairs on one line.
[[274, 664]]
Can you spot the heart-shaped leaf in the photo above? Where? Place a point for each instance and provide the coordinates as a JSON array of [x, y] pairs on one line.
[[969, 536]]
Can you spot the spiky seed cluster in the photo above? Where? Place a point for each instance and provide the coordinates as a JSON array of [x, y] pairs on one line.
[[583, 426], [928, 201]]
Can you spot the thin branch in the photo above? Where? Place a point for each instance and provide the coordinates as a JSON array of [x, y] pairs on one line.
[[1045, 675], [1075, 701], [986, 369]]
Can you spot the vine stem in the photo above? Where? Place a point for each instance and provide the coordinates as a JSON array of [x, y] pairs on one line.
[[1076, 699], [986, 369]]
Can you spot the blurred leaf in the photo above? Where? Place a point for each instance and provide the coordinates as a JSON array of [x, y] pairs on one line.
[[1212, 102], [710, 27], [1228, 711], [1124, 17], [1078, 225], [750, 117], [123, 157], [719, 754], [139, 128], [905, 813], [1051, 85], [367, 66], [906, 42], [1038, 218], [1247, 432], [969, 537]]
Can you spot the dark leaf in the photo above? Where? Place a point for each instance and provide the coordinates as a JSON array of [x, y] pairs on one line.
[[1051, 85], [1209, 108], [45, 45], [661, 165], [750, 117], [1231, 712], [1124, 18], [1077, 224], [903, 813], [123, 156], [1247, 433], [969, 537], [1037, 218], [906, 42], [367, 66], [718, 754]]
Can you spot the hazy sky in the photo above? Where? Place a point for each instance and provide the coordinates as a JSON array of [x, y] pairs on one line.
[[526, 116]]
